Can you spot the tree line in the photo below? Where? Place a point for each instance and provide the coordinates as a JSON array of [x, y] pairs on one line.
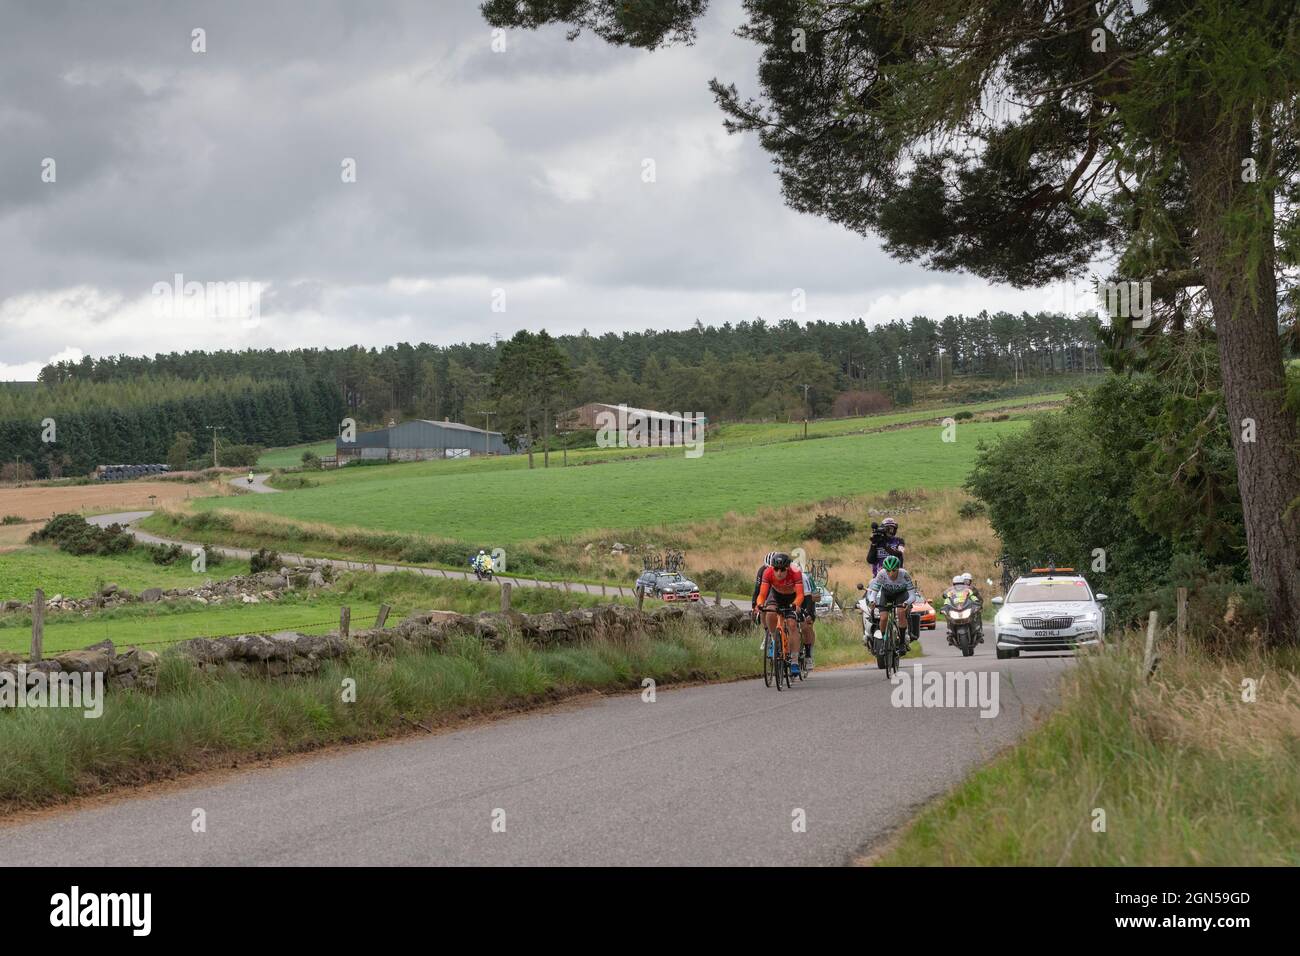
[[71, 428], [731, 371]]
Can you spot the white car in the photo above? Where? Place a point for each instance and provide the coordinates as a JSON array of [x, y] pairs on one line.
[[1049, 609]]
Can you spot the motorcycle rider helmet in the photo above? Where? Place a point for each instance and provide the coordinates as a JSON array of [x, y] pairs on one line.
[[959, 579], [891, 563], [481, 551], [780, 561], [966, 578]]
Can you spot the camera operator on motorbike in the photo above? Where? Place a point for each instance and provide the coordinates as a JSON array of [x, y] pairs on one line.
[[884, 542]]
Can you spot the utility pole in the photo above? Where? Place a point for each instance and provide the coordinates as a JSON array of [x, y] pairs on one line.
[[215, 429], [487, 432], [805, 397]]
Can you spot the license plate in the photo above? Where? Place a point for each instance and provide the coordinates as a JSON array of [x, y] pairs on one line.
[[1047, 633]]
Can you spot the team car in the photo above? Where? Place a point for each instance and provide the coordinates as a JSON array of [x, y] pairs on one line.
[[1048, 609], [668, 586]]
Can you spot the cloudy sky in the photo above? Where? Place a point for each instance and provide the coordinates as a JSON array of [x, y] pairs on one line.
[[483, 178]]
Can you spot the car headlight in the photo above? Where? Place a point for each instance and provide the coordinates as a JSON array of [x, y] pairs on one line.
[[1088, 617], [1003, 620]]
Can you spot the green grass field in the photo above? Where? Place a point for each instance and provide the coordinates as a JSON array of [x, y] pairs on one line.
[[43, 566], [291, 455], [761, 432], [737, 433], [154, 625], [500, 501]]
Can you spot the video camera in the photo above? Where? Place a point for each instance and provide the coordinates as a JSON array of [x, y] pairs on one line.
[[878, 536]]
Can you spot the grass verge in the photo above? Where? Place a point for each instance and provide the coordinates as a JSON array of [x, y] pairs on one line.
[[1186, 772], [195, 721]]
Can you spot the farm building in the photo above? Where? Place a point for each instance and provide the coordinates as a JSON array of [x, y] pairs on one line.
[[659, 428], [421, 440]]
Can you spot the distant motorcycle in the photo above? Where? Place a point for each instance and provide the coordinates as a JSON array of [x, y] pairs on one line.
[[483, 574], [963, 614]]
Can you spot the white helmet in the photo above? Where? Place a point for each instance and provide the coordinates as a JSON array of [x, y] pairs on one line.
[[481, 551], [966, 578], [959, 579]]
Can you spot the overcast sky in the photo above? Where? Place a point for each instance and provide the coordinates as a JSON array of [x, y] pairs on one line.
[[476, 171]]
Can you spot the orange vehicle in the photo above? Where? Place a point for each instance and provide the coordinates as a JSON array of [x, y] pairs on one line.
[[926, 610]]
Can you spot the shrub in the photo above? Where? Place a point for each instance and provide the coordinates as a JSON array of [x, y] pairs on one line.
[[829, 528], [75, 535], [710, 579], [212, 557], [963, 415], [12, 519], [263, 560], [166, 553], [416, 554], [971, 509], [311, 461], [238, 456]]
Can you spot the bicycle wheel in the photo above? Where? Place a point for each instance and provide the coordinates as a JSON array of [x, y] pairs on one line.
[[769, 662], [891, 647]]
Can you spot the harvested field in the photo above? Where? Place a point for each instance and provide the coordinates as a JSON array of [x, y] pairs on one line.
[[37, 502]]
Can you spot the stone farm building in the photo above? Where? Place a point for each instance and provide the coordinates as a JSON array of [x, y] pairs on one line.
[[421, 440], [661, 427]]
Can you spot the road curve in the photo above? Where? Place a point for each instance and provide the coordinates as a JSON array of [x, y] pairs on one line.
[[258, 485], [703, 775]]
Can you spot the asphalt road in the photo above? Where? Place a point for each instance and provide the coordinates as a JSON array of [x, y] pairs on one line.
[[703, 775]]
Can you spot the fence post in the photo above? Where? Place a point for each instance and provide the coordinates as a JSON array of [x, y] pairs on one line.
[[38, 624], [640, 597], [505, 596], [383, 615], [717, 598], [1149, 656], [602, 588], [1182, 621], [345, 619]]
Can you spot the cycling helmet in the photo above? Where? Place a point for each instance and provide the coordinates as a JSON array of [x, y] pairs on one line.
[[891, 563], [770, 557], [780, 561], [481, 551]]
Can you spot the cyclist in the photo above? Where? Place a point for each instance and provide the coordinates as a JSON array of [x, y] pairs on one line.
[[809, 608], [758, 584], [890, 543], [250, 476], [758, 579], [892, 589], [782, 588]]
